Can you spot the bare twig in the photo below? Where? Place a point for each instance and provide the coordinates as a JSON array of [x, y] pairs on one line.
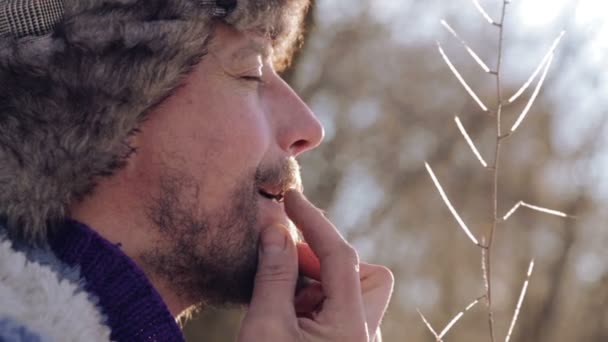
[[487, 249], [484, 266], [495, 170], [484, 13], [460, 79], [428, 325], [533, 207], [470, 142], [466, 46], [520, 301], [538, 68], [459, 316], [449, 205], [534, 95]]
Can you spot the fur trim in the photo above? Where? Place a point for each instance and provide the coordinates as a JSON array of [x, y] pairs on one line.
[[281, 19], [70, 100], [32, 295]]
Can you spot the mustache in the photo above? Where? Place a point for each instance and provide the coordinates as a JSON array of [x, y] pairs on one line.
[[283, 175]]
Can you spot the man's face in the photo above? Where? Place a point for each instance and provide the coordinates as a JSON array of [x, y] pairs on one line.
[[208, 161]]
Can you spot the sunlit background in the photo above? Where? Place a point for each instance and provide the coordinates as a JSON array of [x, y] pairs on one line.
[[372, 73]]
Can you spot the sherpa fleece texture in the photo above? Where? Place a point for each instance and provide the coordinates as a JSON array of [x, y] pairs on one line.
[[70, 100], [36, 305]]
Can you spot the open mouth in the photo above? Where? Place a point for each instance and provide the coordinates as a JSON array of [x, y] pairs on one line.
[[274, 196]]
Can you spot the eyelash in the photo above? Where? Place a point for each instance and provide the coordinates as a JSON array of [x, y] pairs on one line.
[[252, 79]]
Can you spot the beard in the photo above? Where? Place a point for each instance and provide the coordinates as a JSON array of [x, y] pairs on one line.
[[210, 258]]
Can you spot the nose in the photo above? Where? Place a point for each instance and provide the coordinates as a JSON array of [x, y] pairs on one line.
[[298, 128]]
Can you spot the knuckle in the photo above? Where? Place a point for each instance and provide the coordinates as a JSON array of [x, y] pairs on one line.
[[349, 254]]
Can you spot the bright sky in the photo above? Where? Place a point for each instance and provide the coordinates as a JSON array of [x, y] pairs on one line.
[[541, 13]]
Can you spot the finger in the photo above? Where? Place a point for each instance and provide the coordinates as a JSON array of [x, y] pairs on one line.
[[339, 261], [308, 263], [377, 287], [309, 300], [277, 274]]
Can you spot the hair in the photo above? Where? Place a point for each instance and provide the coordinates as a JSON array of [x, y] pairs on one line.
[[71, 98]]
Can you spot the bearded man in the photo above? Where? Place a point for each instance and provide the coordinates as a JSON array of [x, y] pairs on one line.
[[147, 166]]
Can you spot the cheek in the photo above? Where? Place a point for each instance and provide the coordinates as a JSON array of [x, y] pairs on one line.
[[218, 140], [224, 147], [242, 131]]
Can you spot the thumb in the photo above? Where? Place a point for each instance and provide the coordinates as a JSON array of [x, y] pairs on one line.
[[277, 274]]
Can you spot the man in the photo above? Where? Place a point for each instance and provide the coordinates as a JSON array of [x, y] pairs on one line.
[[147, 165]]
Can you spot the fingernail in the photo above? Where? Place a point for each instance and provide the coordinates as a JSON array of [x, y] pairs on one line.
[[274, 239]]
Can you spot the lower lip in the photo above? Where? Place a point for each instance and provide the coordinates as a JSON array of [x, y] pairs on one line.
[[272, 210]]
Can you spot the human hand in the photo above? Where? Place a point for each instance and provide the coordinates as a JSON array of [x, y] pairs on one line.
[[346, 304]]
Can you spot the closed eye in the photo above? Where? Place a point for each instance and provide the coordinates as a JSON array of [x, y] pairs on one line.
[[252, 78]]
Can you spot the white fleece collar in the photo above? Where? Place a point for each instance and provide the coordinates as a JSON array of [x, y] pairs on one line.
[[32, 295]]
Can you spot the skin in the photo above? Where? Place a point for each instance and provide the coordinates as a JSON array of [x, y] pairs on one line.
[[187, 203]]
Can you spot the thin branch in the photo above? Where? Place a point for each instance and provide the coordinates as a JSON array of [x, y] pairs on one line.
[[470, 142], [538, 68], [484, 268], [534, 207], [520, 301], [428, 325], [460, 79], [495, 169], [545, 210], [483, 12], [466, 46], [449, 205], [459, 316], [510, 212], [534, 95]]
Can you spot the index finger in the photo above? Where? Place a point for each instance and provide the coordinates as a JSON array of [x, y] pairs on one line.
[[339, 261]]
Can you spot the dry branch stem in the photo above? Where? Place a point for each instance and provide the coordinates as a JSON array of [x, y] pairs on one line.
[[466, 136], [449, 204], [538, 68], [450, 325], [484, 13], [534, 95], [474, 55], [461, 79], [428, 325], [495, 171], [487, 249], [536, 208], [459, 316], [520, 301], [484, 265]]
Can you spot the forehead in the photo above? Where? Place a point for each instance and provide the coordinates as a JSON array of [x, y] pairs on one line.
[[229, 44]]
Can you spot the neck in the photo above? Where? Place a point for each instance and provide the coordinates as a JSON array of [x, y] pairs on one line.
[[126, 226], [133, 243]]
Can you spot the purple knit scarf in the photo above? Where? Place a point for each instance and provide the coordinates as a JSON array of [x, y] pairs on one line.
[[134, 309]]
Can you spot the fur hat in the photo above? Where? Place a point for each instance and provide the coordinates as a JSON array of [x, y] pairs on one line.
[[77, 77]]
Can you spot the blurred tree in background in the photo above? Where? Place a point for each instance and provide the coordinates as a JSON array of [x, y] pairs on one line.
[[371, 72]]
